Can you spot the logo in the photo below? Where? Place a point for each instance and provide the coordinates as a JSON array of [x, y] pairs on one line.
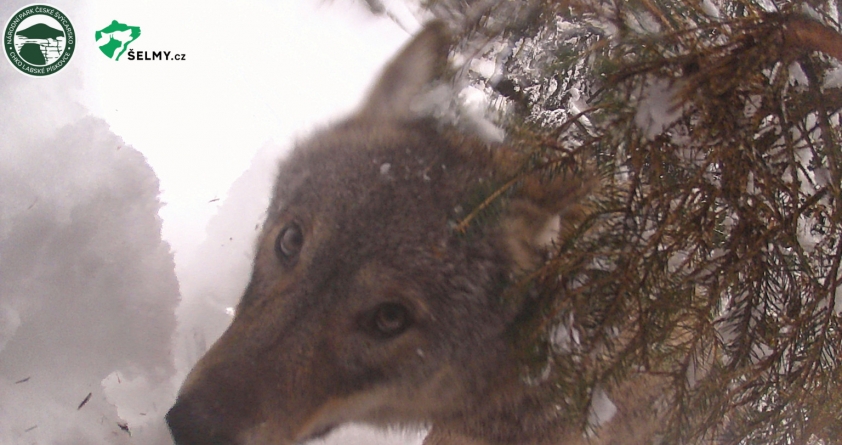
[[114, 39], [39, 40]]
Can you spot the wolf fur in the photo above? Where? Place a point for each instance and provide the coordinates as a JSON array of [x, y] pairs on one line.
[[366, 304]]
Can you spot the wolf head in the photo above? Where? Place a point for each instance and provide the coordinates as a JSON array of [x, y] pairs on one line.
[[365, 303]]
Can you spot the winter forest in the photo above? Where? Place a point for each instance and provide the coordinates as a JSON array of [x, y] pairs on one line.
[[711, 260]]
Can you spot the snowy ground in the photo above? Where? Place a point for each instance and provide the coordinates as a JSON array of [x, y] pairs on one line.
[[107, 296]]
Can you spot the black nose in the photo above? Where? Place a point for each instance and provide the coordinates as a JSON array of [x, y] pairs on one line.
[[193, 423]]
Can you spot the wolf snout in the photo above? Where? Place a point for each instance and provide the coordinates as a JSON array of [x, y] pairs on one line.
[[193, 423]]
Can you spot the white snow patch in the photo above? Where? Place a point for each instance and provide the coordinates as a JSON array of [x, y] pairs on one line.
[[797, 75], [710, 9], [602, 408], [833, 78], [384, 169], [503, 55], [644, 23], [484, 67], [752, 105], [812, 13], [408, 15], [137, 399], [603, 264], [578, 105], [767, 5], [760, 352], [692, 375], [751, 189], [474, 115], [356, 434], [837, 303], [677, 261], [549, 234], [837, 298], [822, 176], [564, 337], [87, 285], [607, 27], [806, 238], [467, 108], [657, 109]]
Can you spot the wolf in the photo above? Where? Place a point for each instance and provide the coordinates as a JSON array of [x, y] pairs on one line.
[[370, 301]]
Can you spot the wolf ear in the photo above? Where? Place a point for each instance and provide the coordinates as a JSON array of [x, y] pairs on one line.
[[422, 60], [545, 211]]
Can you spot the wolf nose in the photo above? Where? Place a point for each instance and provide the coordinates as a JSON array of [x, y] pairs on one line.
[[192, 424]]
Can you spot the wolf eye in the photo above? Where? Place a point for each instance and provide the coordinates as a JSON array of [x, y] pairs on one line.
[[391, 319], [289, 242]]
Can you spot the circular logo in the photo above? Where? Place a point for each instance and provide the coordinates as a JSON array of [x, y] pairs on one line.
[[39, 40]]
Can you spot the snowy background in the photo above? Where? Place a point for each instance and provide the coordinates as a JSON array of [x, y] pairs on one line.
[[130, 192]]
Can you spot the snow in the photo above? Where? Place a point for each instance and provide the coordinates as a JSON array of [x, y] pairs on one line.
[[87, 283], [102, 308], [358, 434], [797, 75], [710, 8], [693, 375], [474, 116], [760, 351], [602, 408], [577, 105], [753, 104], [837, 300], [804, 234], [213, 278], [549, 234], [810, 12], [837, 295], [767, 5], [642, 22], [833, 78], [564, 337], [484, 67], [409, 14], [658, 109]]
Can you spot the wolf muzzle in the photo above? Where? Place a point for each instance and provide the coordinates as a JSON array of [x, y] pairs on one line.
[[196, 423]]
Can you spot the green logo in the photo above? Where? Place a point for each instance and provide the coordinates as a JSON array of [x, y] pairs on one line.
[[114, 39], [39, 40]]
